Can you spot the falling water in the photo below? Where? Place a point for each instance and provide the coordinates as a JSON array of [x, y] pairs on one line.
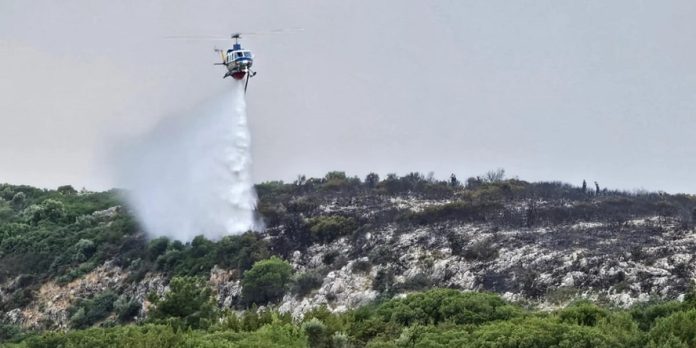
[[191, 175]]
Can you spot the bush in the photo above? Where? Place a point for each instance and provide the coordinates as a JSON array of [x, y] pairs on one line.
[[9, 333], [384, 281], [157, 247], [418, 282], [242, 251], [266, 281], [459, 211], [66, 190], [50, 210], [126, 309], [540, 332], [148, 336], [361, 266], [334, 181], [480, 251], [316, 333], [646, 314], [88, 312], [84, 249], [306, 282], [189, 301], [582, 313], [327, 228], [679, 327], [447, 305]]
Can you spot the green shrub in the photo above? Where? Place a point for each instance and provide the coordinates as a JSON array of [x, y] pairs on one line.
[[679, 327], [447, 305], [148, 336], [189, 302], [266, 281], [646, 314], [49, 210], [582, 313], [304, 283], [126, 309], [328, 228], [540, 332], [9, 333], [66, 190], [316, 333], [90, 311], [459, 210], [157, 247]]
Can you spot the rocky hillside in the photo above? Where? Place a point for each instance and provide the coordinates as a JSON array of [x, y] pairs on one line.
[[350, 242]]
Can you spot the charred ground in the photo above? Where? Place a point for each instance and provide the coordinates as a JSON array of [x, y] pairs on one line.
[[351, 242]]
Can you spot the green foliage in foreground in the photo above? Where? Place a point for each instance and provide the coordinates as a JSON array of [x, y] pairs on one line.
[[148, 336], [437, 318]]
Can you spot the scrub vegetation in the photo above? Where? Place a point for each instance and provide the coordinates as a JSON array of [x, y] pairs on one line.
[[435, 318], [59, 236]]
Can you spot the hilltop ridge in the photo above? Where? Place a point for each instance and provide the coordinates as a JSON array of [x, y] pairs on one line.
[[351, 242]]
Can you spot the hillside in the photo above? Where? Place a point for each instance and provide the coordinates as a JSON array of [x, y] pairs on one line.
[[73, 259]]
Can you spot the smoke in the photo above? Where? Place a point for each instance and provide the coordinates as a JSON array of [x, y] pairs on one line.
[[191, 174]]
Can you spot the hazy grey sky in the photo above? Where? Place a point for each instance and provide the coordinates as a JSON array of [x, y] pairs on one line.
[[549, 90]]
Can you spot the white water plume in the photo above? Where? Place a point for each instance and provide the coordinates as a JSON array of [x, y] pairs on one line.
[[191, 175]]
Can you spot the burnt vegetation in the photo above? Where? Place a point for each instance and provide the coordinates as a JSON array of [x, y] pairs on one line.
[[370, 223]]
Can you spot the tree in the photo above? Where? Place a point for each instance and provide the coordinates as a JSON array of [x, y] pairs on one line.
[[18, 200], [84, 249], [66, 190], [453, 181], [188, 300], [584, 186], [266, 281], [371, 180], [50, 209], [497, 175], [335, 180]]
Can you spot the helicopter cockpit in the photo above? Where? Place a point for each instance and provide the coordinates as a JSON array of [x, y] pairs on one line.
[[234, 55]]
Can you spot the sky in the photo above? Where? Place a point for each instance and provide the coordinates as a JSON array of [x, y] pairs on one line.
[[549, 90]]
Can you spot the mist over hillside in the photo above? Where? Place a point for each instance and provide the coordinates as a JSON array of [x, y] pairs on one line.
[[72, 259], [191, 174]]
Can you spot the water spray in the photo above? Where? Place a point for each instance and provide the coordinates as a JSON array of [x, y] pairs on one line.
[[192, 174]]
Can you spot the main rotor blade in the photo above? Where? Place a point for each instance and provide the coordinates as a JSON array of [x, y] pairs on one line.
[[242, 34], [273, 31], [200, 37]]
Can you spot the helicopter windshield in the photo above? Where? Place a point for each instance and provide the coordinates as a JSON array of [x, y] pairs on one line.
[[247, 54], [239, 54]]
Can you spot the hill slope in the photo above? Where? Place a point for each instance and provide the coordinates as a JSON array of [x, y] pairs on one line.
[[351, 242]]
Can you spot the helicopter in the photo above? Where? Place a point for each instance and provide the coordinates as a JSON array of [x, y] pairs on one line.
[[238, 61]]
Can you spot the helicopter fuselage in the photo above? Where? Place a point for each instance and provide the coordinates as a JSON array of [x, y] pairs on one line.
[[239, 68], [239, 62]]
